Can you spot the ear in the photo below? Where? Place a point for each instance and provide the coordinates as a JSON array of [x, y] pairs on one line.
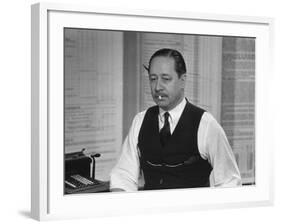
[[183, 79]]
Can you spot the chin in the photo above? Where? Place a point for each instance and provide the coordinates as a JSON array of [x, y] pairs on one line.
[[163, 106]]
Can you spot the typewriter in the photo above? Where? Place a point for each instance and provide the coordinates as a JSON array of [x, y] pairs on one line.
[[80, 174]]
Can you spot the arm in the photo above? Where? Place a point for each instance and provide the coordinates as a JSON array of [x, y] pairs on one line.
[[214, 146], [124, 176]]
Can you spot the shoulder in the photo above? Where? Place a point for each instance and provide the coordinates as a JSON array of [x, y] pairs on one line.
[[209, 119], [139, 117], [194, 109], [136, 125], [210, 125]]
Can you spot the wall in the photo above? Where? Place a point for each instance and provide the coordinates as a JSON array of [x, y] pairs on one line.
[[15, 112]]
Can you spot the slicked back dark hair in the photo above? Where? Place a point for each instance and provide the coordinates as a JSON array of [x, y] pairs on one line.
[[180, 67]]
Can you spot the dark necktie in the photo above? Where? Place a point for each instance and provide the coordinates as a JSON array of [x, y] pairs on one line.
[[165, 132]]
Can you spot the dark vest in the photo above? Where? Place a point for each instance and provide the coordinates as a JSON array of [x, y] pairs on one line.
[[178, 164]]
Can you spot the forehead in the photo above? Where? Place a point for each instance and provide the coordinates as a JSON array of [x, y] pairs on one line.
[[162, 65]]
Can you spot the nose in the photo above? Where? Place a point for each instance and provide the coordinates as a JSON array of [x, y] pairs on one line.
[[158, 85]]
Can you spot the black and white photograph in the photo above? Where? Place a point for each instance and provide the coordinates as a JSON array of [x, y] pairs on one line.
[[139, 112], [144, 112], [157, 111]]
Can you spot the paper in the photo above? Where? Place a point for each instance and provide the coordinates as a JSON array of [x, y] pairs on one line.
[[238, 102], [93, 95]]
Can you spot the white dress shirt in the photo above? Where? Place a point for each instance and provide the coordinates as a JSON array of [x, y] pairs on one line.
[[212, 145]]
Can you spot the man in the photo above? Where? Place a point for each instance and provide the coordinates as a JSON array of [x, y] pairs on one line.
[[173, 144]]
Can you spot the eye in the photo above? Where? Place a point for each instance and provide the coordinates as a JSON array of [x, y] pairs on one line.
[[152, 78], [166, 78]]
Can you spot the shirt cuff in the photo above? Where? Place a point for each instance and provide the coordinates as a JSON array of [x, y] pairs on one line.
[[118, 181], [235, 181]]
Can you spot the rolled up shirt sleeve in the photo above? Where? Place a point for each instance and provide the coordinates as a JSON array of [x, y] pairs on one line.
[[125, 174], [214, 146]]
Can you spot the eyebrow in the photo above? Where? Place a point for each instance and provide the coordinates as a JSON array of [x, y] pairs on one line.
[[165, 74], [162, 74]]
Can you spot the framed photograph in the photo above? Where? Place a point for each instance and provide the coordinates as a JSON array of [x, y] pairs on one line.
[[90, 78]]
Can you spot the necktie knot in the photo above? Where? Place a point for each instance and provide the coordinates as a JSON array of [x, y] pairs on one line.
[[166, 117]]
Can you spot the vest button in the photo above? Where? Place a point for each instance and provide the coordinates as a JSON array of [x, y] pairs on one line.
[[161, 181]]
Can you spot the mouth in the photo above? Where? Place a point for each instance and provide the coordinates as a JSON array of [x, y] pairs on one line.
[[160, 97]]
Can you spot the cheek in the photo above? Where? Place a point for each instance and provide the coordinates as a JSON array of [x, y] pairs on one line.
[[151, 86], [175, 89]]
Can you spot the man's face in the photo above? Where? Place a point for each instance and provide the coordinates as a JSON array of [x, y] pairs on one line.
[[167, 88]]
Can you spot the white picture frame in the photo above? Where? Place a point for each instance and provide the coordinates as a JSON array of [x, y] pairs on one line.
[[48, 201]]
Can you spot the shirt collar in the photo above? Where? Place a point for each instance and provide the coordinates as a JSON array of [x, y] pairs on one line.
[[175, 113]]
